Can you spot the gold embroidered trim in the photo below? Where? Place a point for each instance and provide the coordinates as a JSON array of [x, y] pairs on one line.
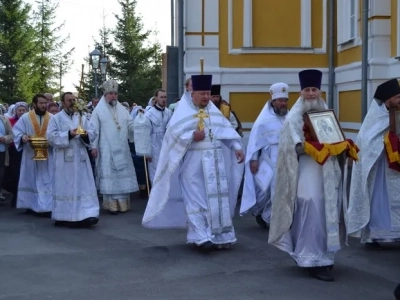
[[39, 131]]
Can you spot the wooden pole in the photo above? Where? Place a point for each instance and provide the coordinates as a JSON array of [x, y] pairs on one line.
[[147, 175]]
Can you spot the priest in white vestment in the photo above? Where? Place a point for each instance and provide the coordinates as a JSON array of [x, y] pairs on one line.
[[190, 186], [115, 173], [159, 116], [261, 156], [75, 200], [35, 187], [374, 202], [307, 213]]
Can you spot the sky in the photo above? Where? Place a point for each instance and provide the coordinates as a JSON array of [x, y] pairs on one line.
[[84, 18]]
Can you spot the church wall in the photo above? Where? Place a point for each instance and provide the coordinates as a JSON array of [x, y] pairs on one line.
[[394, 25], [277, 24], [349, 111], [250, 39]]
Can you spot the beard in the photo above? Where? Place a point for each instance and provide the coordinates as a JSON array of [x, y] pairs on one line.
[[40, 112], [70, 110], [281, 111], [313, 105]]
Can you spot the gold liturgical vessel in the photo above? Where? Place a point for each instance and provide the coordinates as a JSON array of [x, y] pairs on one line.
[[79, 106], [39, 146], [80, 129]]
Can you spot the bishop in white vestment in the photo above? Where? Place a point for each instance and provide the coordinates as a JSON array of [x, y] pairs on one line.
[[115, 173], [374, 202], [190, 186], [306, 207], [261, 156], [159, 116], [35, 187], [75, 196]]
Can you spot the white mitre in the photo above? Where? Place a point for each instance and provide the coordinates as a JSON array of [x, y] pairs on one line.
[[279, 90], [110, 86]]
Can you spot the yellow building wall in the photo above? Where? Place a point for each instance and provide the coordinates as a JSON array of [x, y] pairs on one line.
[[248, 105], [237, 27], [276, 33], [317, 24], [350, 106], [267, 32], [393, 23]]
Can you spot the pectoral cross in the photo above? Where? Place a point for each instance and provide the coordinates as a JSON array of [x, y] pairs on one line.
[[201, 115]]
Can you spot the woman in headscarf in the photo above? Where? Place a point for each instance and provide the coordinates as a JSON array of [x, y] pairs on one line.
[[53, 108], [10, 112], [13, 169]]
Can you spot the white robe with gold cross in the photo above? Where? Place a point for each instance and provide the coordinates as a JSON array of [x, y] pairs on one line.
[[191, 186]]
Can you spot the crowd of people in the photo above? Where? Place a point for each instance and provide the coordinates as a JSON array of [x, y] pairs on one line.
[[190, 161]]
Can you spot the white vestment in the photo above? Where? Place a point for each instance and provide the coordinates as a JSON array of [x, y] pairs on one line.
[[159, 120], [374, 202], [75, 195], [307, 203], [134, 111], [191, 186], [35, 187], [263, 144], [115, 173]]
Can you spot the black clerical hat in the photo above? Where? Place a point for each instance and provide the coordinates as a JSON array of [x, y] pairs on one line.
[[387, 90], [201, 82], [310, 78], [216, 90]]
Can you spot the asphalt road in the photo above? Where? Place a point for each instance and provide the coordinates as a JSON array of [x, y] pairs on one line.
[[119, 259]]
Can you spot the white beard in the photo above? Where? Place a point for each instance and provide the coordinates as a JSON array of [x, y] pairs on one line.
[[310, 105]]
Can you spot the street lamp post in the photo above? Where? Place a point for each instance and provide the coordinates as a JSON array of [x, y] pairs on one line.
[[103, 67], [95, 61]]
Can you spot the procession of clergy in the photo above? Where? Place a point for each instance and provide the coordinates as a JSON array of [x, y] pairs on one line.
[[294, 185]]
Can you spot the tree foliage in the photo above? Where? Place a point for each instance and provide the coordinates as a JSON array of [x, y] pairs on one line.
[[135, 64], [17, 49], [50, 63]]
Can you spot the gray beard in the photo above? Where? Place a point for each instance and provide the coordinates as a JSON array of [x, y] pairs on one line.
[[113, 102], [313, 105], [70, 110], [281, 111]]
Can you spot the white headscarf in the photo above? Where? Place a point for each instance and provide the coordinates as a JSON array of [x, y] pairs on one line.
[[134, 111], [10, 112]]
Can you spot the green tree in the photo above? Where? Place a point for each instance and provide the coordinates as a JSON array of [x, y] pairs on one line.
[[136, 63], [16, 51], [49, 45]]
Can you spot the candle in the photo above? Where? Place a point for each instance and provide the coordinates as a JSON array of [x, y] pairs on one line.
[[201, 65]]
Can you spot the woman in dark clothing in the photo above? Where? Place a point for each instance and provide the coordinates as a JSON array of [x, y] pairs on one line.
[[14, 167]]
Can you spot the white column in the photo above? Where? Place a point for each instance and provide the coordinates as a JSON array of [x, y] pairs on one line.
[[306, 23], [247, 23]]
